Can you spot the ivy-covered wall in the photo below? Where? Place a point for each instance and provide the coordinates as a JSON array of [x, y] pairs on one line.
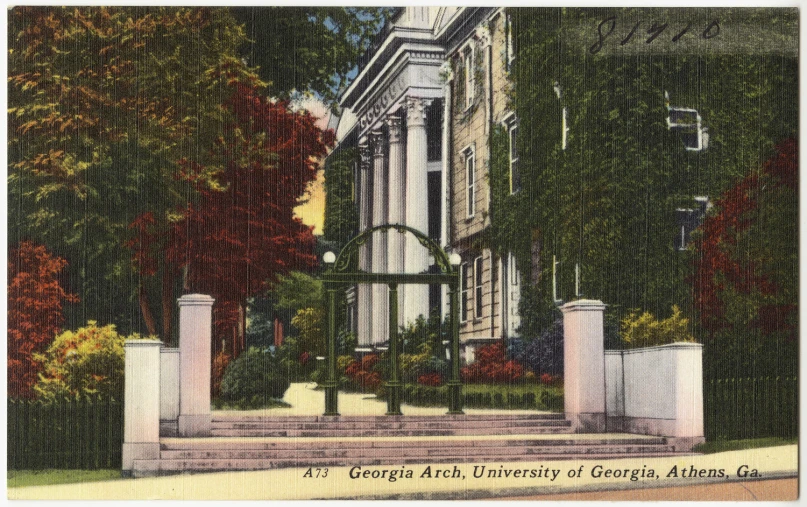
[[608, 200]]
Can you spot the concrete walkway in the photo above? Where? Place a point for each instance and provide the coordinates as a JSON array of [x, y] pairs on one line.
[[305, 399], [351, 483]]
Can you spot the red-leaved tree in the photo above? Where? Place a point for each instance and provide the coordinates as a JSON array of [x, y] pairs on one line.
[[746, 271], [35, 304], [241, 232]]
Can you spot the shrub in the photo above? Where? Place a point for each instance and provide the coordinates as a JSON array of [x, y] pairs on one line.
[[35, 302], [89, 361], [646, 331], [492, 366], [311, 324], [253, 379], [545, 353]]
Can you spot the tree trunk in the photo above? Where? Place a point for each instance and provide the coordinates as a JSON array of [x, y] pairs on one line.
[[151, 324]]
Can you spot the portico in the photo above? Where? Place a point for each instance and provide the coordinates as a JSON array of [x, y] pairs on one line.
[[395, 99]]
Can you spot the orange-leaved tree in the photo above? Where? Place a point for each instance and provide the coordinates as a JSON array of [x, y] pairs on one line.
[[35, 302]]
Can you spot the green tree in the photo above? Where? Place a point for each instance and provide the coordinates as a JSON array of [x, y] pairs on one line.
[[302, 49], [104, 105]]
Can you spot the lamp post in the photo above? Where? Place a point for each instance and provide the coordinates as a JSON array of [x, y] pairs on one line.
[[331, 384], [454, 384]]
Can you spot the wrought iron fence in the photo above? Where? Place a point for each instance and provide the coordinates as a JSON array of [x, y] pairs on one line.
[[84, 433], [740, 408]]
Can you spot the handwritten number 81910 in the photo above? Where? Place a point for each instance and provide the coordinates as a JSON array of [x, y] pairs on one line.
[[607, 26]]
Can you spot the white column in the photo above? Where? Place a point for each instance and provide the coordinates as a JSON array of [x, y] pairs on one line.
[[141, 412], [363, 295], [397, 196], [416, 258], [584, 365], [195, 328], [380, 310]]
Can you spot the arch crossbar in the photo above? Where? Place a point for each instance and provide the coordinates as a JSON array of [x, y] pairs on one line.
[[343, 273]]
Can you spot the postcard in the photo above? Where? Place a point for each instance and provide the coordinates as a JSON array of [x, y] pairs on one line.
[[415, 253]]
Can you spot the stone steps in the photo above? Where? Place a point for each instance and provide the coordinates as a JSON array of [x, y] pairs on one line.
[[537, 430], [379, 426], [264, 442], [390, 452]]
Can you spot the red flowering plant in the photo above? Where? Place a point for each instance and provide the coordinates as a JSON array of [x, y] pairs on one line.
[[492, 366]]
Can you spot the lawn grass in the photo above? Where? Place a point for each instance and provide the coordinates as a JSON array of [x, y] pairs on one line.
[[217, 404], [23, 478], [738, 445]]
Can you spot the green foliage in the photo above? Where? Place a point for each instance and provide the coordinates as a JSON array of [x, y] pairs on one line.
[[644, 330], [310, 322], [87, 361], [341, 216], [308, 49], [253, 378], [608, 200], [423, 332], [298, 290]]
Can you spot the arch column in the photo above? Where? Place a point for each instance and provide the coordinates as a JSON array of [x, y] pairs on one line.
[[397, 198], [364, 292], [380, 308], [416, 259]]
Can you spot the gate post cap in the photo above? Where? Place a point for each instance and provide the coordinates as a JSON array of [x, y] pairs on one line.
[[583, 305], [195, 299]]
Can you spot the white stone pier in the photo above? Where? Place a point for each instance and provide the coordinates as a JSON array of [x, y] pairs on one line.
[[584, 365], [195, 328], [141, 413]]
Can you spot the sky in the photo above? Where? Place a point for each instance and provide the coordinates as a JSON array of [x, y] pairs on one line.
[[312, 212]]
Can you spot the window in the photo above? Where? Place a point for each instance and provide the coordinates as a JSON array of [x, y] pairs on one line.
[[687, 123], [470, 174], [515, 175], [509, 49], [465, 272], [515, 278], [468, 78], [478, 287], [688, 220], [564, 123]]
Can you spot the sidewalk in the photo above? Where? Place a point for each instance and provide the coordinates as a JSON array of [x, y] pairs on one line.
[[306, 400], [291, 483]]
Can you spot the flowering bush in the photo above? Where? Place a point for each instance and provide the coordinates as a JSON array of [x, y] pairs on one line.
[[492, 366], [430, 379], [89, 360], [646, 331]]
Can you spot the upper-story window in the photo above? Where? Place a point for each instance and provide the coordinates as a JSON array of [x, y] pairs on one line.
[[689, 219], [515, 174], [688, 124], [468, 74], [564, 121], [509, 47], [470, 175]]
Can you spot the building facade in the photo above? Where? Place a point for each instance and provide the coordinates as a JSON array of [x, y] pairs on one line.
[[419, 114]]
